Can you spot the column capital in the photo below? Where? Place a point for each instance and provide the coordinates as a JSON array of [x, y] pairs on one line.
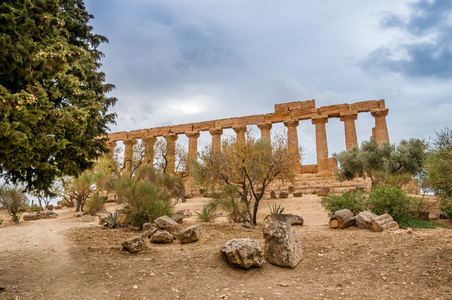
[[129, 142], [320, 119], [351, 115], [192, 134], [379, 112], [170, 136], [264, 126], [216, 131], [291, 123], [240, 128], [148, 138]]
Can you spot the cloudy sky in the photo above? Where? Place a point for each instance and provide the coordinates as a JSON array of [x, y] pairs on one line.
[[179, 61]]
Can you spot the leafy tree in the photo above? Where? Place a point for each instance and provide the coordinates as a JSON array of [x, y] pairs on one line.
[[14, 200], [247, 168], [439, 163], [383, 163], [53, 104]]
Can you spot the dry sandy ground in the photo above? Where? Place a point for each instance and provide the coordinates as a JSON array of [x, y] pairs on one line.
[[65, 258]]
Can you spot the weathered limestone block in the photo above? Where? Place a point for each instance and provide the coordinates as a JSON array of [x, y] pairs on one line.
[[243, 253], [272, 194], [282, 244], [283, 195], [177, 218], [384, 222], [288, 218], [323, 192], [342, 219], [134, 244], [48, 214], [364, 219], [183, 212], [168, 224], [298, 194], [162, 237], [189, 235]]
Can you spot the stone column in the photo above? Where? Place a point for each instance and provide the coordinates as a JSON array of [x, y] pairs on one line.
[[216, 138], [350, 130], [381, 129], [240, 132], [170, 152], [292, 137], [192, 147], [321, 143], [111, 148], [128, 155], [149, 142], [265, 131]]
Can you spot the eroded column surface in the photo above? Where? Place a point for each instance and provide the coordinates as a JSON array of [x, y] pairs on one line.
[[128, 154], [265, 131], [216, 138], [380, 133], [321, 143], [170, 152], [240, 132], [351, 139], [192, 147], [292, 137], [111, 145], [149, 142]]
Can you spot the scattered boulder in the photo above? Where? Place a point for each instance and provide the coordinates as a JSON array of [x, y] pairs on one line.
[[162, 237], [342, 219], [272, 194], [282, 244], [298, 194], [288, 218], [48, 214], [134, 245], [123, 219], [243, 253], [49, 207], [177, 218], [364, 219], [102, 218], [59, 207], [184, 212], [149, 230], [291, 189], [188, 196], [189, 235], [283, 195], [168, 224], [323, 192], [384, 222]]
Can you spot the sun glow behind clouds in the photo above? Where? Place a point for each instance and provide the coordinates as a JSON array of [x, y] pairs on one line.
[[190, 106]]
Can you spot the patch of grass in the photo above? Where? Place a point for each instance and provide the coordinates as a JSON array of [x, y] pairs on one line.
[[413, 223], [207, 213]]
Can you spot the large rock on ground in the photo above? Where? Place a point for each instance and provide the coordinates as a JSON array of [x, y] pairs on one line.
[[288, 218], [363, 220], [282, 244], [134, 245], [48, 214], [189, 235], [243, 253], [177, 218], [383, 223], [168, 224], [162, 237]]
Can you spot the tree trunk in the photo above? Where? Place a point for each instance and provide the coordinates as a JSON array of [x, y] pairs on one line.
[[384, 222], [342, 219]]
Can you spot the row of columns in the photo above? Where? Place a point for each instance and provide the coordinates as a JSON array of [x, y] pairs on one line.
[[379, 132]]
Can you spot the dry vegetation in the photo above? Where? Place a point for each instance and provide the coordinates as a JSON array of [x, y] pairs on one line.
[[65, 258]]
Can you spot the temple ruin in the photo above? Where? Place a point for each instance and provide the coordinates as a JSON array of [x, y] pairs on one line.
[[289, 114]]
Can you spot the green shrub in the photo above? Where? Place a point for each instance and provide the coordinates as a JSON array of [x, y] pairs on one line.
[[35, 208], [208, 212], [387, 199], [446, 206], [95, 204], [1, 221], [354, 201], [276, 208], [229, 200], [14, 200]]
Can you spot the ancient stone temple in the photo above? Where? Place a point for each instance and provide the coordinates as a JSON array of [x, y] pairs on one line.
[[289, 114]]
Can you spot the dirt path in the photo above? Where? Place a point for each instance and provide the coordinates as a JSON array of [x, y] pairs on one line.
[[65, 258]]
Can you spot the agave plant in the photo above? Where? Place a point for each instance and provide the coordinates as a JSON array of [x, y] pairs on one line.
[[112, 220], [207, 213], [274, 209]]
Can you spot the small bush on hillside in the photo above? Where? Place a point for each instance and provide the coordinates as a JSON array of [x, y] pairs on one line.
[[95, 204], [14, 200], [35, 208], [354, 201], [446, 206], [387, 199]]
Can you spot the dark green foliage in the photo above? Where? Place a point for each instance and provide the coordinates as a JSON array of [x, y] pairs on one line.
[[387, 199], [13, 200], [112, 220], [208, 212], [95, 204], [383, 163], [276, 208], [52, 94], [446, 206], [354, 201], [35, 208]]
